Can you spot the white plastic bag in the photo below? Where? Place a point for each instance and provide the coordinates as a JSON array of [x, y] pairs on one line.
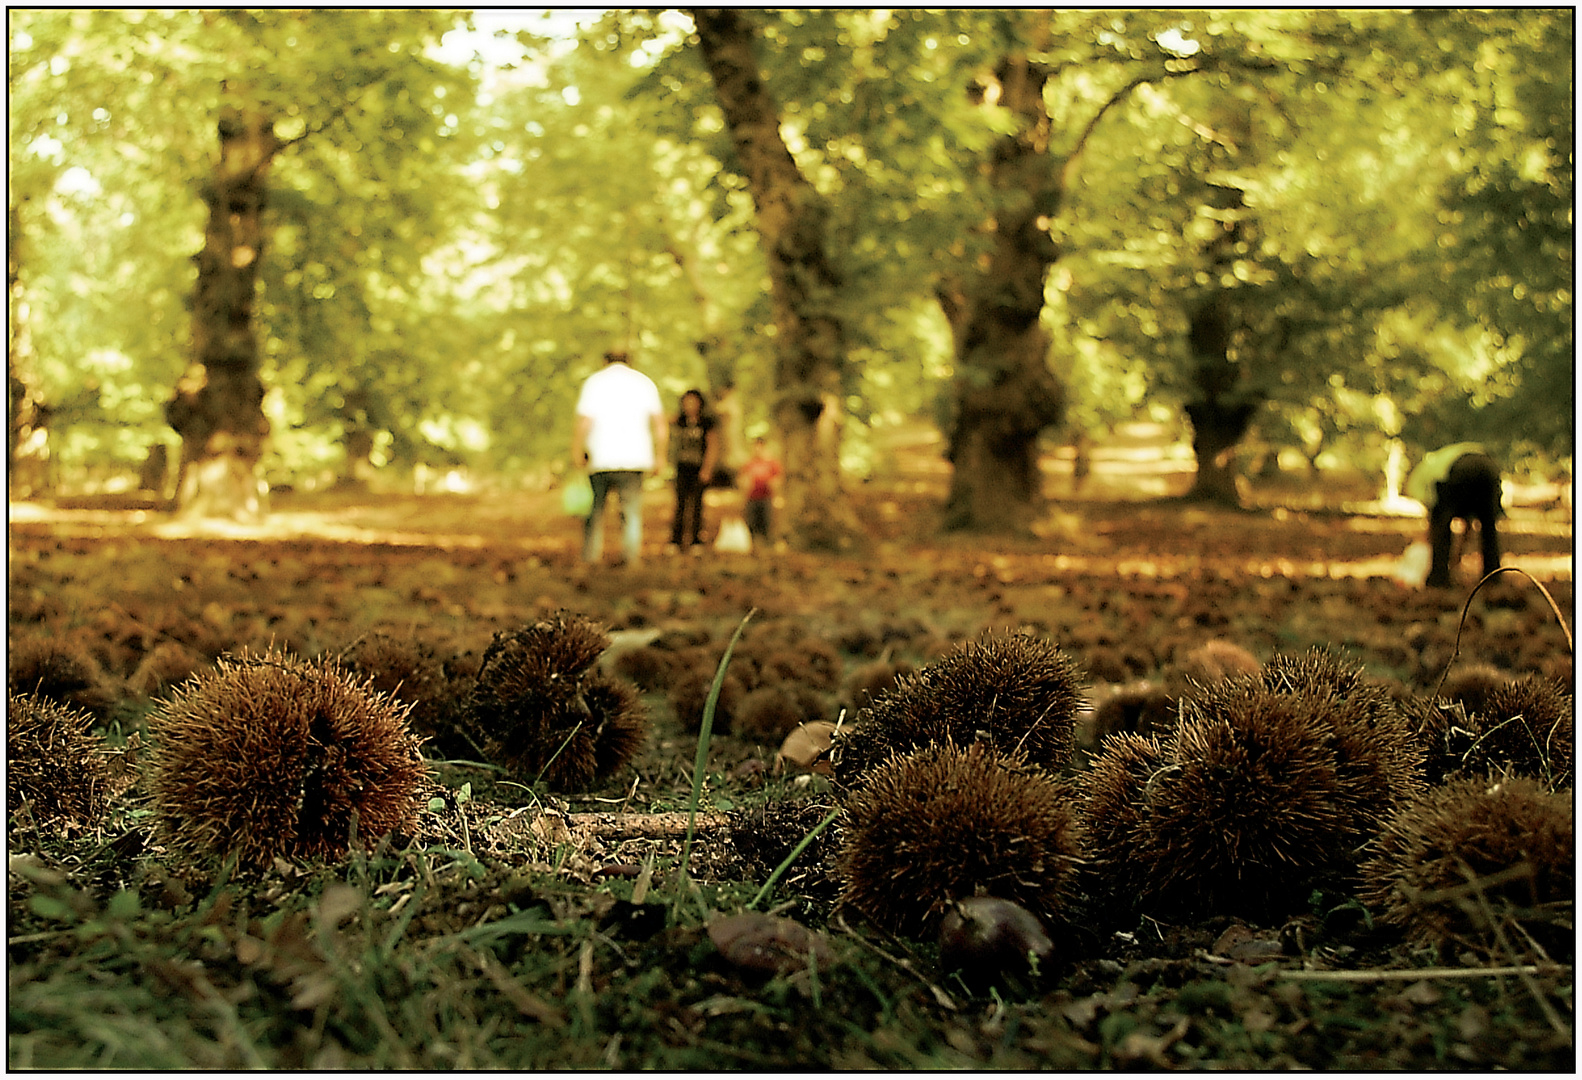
[[1412, 569], [576, 496], [734, 537]]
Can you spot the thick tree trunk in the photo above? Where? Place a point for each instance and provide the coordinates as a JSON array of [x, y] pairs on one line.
[[27, 436], [218, 404], [1005, 396], [1225, 407], [1005, 393], [810, 340], [1217, 426]]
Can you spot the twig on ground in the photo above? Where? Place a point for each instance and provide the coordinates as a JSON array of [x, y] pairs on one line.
[[1554, 607], [1523, 869], [666, 825], [1413, 974], [1521, 971], [944, 999]]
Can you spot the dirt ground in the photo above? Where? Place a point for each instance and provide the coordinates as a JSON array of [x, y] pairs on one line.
[[1127, 583]]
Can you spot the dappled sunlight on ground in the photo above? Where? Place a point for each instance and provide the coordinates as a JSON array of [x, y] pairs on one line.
[[375, 525], [1124, 520], [1141, 538]]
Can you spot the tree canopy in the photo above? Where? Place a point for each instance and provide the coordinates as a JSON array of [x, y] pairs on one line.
[[1370, 210]]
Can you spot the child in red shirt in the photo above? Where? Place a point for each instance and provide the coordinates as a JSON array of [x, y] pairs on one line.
[[760, 476]]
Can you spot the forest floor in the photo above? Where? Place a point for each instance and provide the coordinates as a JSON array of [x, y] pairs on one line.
[[501, 935]]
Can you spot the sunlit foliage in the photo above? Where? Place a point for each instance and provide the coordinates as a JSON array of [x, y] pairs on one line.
[[454, 243]]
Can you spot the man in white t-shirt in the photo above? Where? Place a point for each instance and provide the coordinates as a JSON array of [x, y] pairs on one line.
[[620, 434]]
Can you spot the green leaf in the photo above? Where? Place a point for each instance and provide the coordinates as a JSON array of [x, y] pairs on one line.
[[125, 904], [49, 907]]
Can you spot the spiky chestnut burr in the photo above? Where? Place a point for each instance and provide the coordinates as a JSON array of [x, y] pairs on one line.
[[53, 762], [542, 709], [1379, 760], [877, 677], [1527, 726], [439, 691], [1317, 670], [1113, 793], [807, 661], [618, 737], [944, 823], [1443, 732], [1254, 797], [1110, 664], [1247, 810], [404, 668], [1020, 693], [268, 755], [1142, 708], [163, 666], [1416, 877], [1472, 684], [1214, 661], [651, 669], [770, 712], [689, 694], [1490, 725], [62, 670]]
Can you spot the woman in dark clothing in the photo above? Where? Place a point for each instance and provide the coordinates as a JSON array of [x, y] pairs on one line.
[[695, 448]]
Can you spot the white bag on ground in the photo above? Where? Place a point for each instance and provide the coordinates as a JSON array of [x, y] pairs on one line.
[[1412, 570], [734, 537]]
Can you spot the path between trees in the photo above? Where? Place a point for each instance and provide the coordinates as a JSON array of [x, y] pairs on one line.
[[1124, 517]]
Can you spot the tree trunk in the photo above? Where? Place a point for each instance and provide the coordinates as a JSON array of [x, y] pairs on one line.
[[1217, 427], [1005, 393], [1225, 407], [27, 434], [810, 340], [218, 404]]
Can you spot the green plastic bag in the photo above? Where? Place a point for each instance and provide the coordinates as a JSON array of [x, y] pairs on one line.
[[576, 497]]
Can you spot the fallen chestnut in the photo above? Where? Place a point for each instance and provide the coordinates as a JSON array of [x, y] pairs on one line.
[[987, 941]]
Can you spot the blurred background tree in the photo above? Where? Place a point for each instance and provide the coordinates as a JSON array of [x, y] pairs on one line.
[[308, 221], [1296, 237]]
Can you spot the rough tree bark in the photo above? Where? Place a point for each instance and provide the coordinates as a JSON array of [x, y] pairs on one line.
[[810, 340], [1225, 406], [1005, 393], [217, 408], [1223, 412]]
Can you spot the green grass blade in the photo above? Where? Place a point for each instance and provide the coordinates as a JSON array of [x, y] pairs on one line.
[[227, 868], [785, 864], [563, 744], [404, 919], [704, 734]]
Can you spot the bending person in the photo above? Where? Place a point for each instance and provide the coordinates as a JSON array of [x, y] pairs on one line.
[[1459, 481]]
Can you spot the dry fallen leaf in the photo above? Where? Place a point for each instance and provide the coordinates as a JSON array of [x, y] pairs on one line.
[[1140, 1046], [1421, 992], [314, 989], [1243, 944], [807, 744], [337, 903], [249, 950], [768, 943]]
